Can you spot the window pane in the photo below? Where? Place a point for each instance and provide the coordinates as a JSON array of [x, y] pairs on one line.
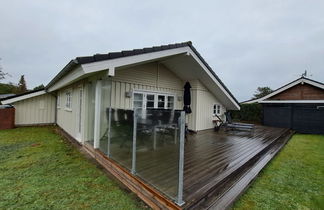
[[150, 104], [161, 101], [170, 102], [138, 97], [161, 105], [138, 104], [161, 98], [150, 97]]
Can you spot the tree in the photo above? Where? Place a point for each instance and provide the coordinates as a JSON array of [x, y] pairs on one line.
[[39, 87], [22, 87], [262, 91]]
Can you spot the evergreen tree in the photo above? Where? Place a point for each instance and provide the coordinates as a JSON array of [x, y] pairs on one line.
[[262, 91], [22, 87]]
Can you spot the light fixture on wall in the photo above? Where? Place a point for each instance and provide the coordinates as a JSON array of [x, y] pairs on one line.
[[180, 98], [128, 94]]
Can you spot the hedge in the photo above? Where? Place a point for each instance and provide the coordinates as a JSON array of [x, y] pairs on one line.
[[249, 113]]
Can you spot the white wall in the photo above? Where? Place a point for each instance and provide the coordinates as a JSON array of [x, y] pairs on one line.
[[151, 76], [35, 110], [68, 118]]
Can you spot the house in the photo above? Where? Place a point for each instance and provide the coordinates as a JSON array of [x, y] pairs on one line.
[[139, 77], [298, 105], [128, 107]]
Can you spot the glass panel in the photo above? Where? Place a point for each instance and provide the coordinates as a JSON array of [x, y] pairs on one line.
[[138, 104], [138, 100], [161, 101], [170, 102], [121, 136], [90, 102], [104, 114], [138, 97], [157, 149]]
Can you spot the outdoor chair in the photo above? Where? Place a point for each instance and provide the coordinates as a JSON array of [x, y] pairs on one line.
[[230, 125]]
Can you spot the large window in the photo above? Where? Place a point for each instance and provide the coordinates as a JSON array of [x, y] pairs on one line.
[[68, 103], [149, 100]]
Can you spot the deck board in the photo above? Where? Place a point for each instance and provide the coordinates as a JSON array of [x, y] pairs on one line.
[[209, 158]]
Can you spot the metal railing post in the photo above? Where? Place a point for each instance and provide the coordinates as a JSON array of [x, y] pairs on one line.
[[180, 201], [133, 171], [109, 130]]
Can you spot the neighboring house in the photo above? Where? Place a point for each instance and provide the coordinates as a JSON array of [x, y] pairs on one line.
[[298, 105], [144, 78], [2, 96]]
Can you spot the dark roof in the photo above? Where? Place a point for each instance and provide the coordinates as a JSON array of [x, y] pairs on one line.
[[125, 53], [22, 94]]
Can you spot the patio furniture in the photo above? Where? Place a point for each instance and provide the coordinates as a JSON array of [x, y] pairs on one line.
[[236, 126]]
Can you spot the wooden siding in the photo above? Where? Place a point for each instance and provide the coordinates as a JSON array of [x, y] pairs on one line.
[[153, 77], [35, 110], [149, 77], [300, 92], [67, 119]]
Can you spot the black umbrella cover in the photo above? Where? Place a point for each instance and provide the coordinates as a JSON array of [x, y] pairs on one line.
[[187, 98]]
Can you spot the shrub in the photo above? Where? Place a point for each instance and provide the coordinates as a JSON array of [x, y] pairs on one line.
[[248, 113]]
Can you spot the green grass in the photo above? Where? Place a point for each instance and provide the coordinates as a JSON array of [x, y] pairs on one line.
[[293, 180], [39, 170]]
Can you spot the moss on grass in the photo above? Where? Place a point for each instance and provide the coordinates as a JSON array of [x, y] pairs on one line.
[[294, 179], [38, 170]]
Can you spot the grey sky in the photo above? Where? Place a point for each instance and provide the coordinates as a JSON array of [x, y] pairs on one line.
[[247, 43]]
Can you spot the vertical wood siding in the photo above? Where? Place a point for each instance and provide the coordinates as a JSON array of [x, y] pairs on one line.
[[35, 110]]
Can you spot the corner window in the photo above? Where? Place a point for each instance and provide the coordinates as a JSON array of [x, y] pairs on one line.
[[216, 109], [68, 104]]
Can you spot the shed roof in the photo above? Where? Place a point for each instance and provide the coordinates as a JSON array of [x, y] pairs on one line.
[[300, 80]]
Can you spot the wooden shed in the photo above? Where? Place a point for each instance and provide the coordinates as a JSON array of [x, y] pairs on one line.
[[298, 105]]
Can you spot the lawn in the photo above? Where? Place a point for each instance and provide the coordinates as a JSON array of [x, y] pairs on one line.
[[294, 179], [38, 169]]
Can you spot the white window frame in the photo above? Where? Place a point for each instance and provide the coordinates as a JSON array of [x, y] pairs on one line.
[[217, 109], [156, 94], [68, 100]]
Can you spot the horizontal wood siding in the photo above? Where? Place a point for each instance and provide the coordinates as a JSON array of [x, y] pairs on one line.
[[150, 77], [35, 110], [300, 92]]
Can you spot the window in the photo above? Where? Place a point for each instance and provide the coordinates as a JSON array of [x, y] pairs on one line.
[[58, 101], [216, 109], [149, 100], [68, 104], [138, 100], [161, 101], [170, 102]]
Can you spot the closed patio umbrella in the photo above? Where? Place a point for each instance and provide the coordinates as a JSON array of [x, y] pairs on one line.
[[187, 98]]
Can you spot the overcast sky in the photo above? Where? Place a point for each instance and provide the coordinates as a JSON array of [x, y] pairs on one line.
[[247, 43]]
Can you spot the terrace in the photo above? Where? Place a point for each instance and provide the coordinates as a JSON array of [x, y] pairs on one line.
[[147, 151]]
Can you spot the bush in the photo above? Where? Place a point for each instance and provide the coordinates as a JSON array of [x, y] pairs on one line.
[[248, 113]]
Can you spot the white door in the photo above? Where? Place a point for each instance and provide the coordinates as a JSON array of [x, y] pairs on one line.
[[79, 115]]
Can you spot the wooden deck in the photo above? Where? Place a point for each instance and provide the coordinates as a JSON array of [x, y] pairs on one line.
[[214, 162]]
